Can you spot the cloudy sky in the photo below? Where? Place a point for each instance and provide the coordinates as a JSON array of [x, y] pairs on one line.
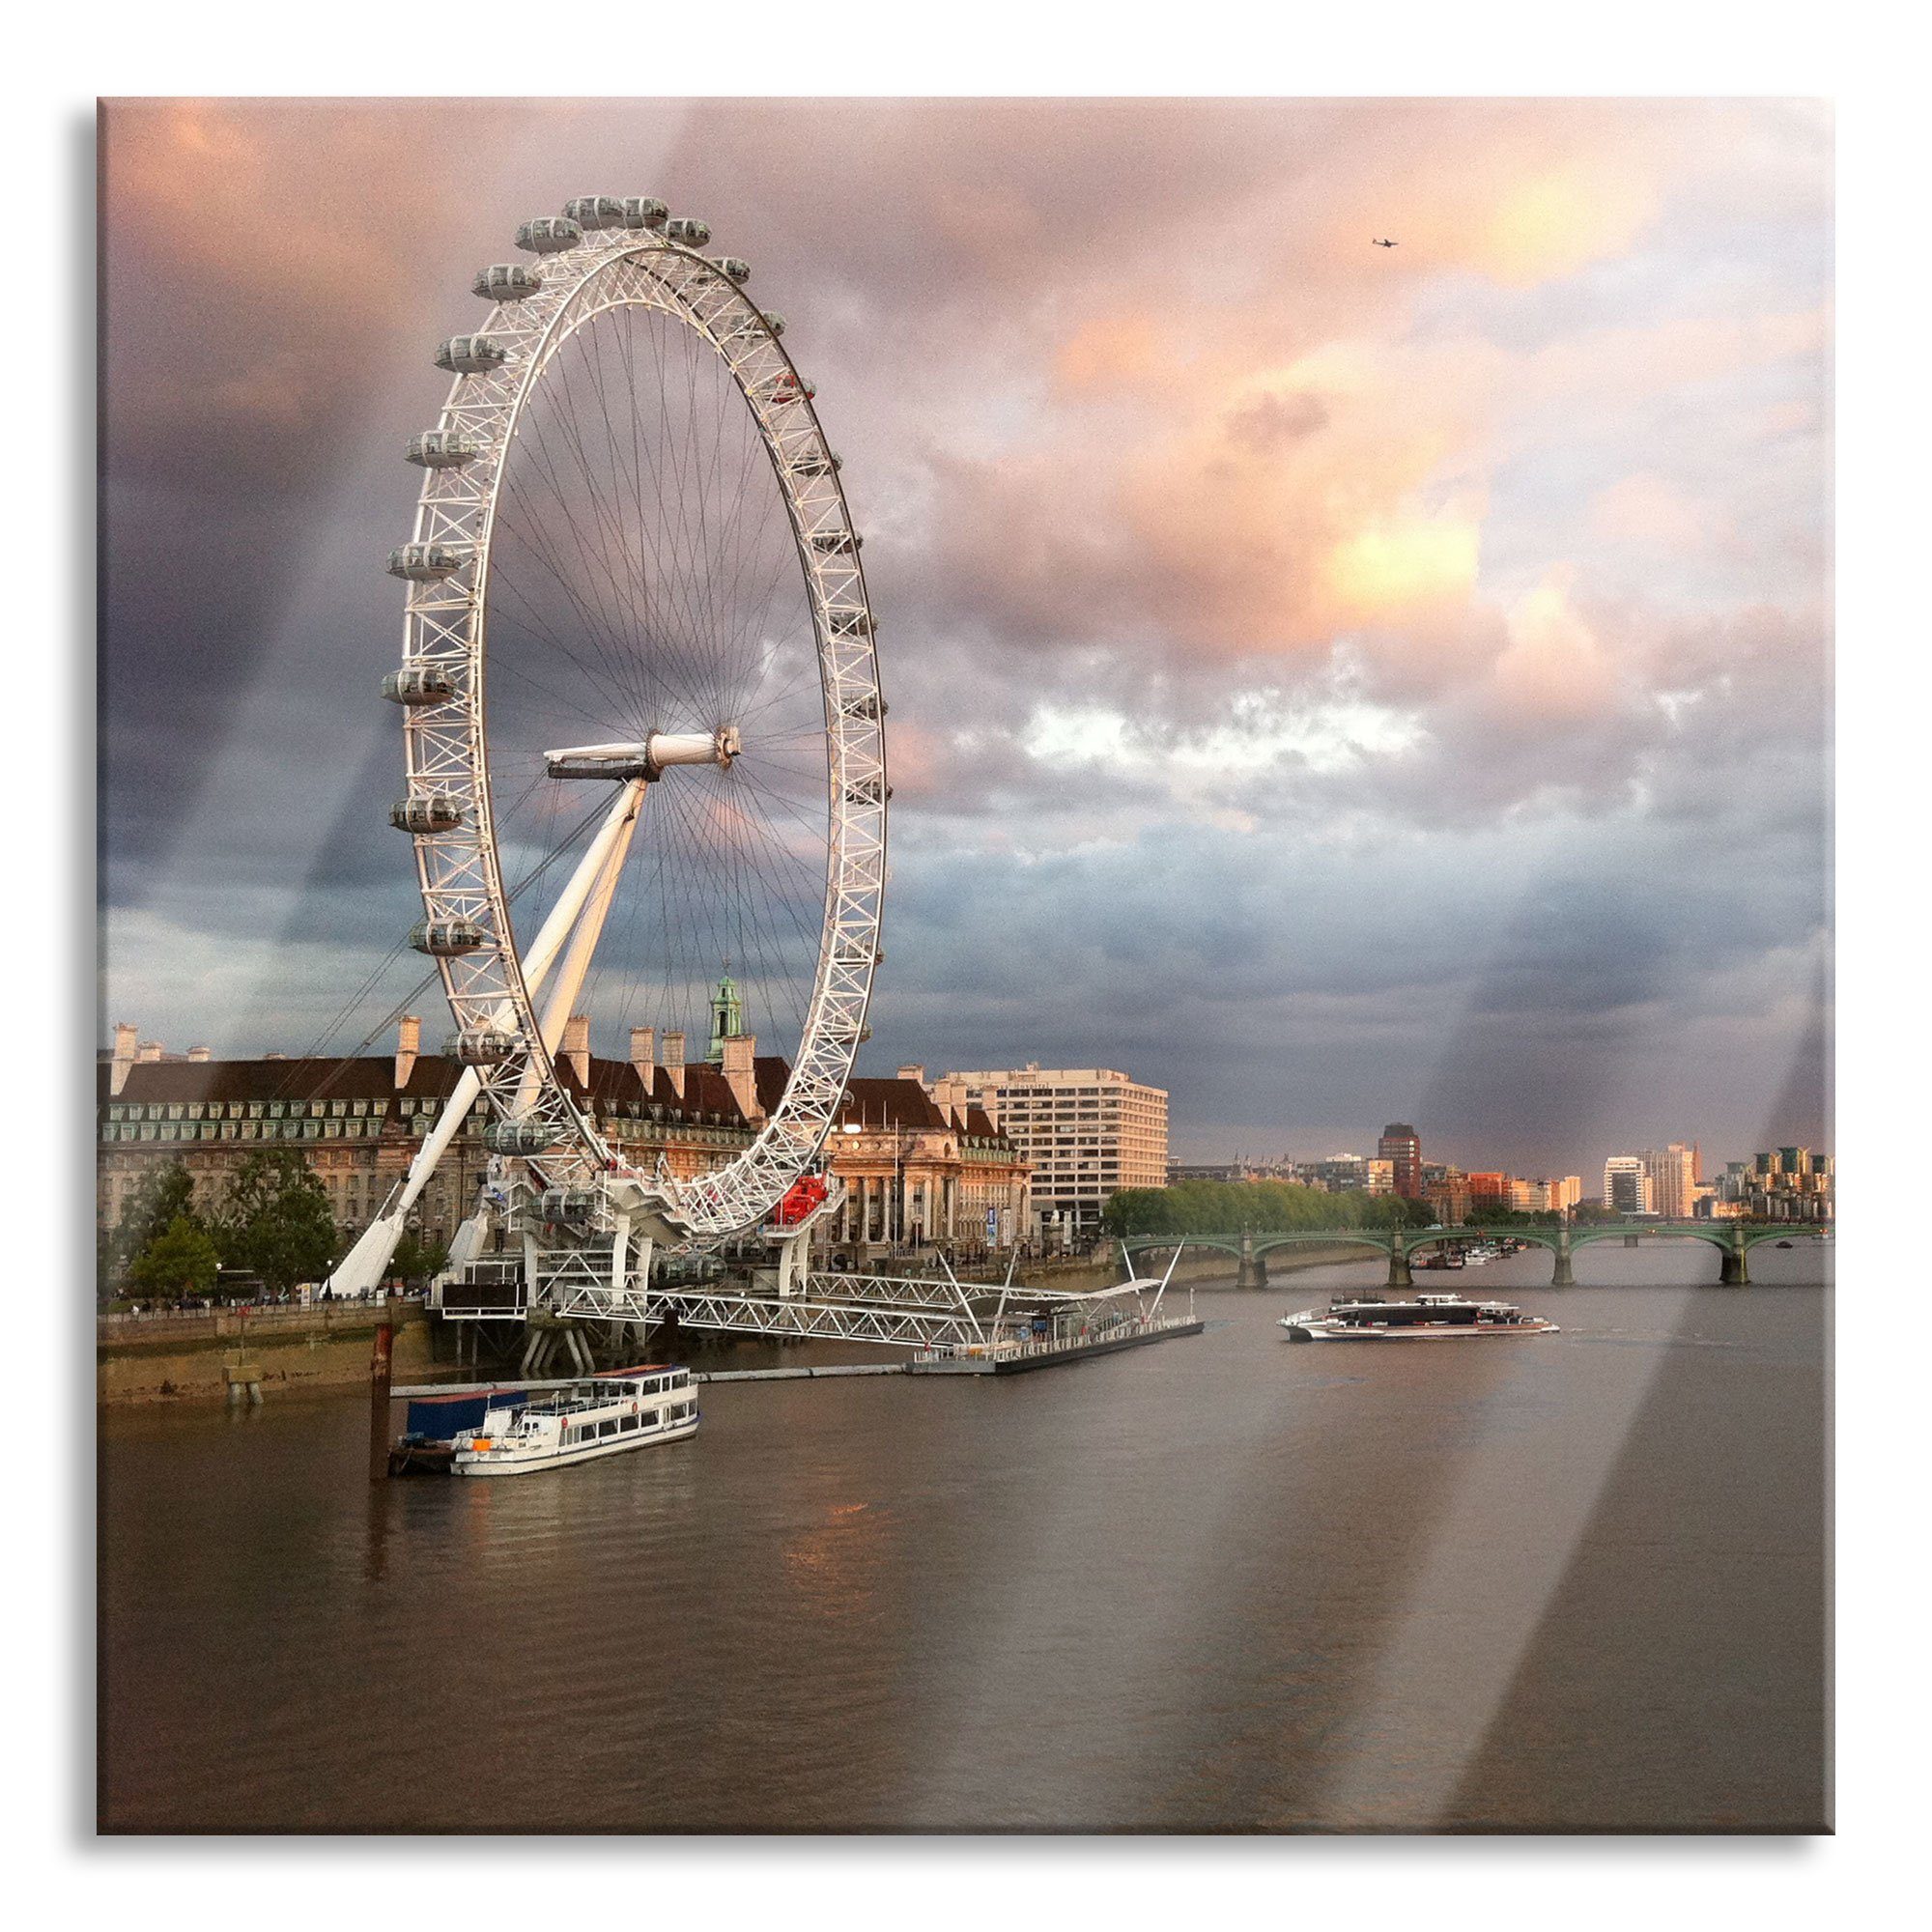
[[1337, 684]]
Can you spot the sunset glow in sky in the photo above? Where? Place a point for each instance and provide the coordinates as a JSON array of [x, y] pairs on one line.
[[1338, 684]]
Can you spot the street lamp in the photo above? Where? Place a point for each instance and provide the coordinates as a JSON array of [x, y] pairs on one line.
[[853, 1128]]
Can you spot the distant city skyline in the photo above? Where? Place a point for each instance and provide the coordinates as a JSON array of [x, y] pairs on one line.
[[1332, 685]]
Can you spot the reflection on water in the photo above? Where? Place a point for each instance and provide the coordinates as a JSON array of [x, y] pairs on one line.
[[1576, 1581]]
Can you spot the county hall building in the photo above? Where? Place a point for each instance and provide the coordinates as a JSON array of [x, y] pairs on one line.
[[918, 1171]]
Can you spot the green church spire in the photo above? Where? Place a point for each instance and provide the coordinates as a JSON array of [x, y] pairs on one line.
[[728, 1017]]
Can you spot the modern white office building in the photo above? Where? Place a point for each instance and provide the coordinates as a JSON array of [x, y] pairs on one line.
[[1627, 1185], [1088, 1131]]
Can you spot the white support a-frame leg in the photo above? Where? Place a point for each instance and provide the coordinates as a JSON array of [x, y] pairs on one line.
[[361, 1270]]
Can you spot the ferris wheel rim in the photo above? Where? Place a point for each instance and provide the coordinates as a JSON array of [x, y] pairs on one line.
[[459, 867]]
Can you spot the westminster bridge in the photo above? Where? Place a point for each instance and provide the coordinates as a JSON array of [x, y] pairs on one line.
[[1732, 1239]]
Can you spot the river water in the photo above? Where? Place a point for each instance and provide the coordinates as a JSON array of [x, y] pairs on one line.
[[1227, 1584]]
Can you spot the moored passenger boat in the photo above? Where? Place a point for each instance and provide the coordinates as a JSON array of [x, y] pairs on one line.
[[626, 1408], [1418, 1318]]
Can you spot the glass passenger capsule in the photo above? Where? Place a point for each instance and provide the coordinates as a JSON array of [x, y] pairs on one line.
[[426, 562], [687, 228], [867, 792], [774, 322], [507, 282], [442, 449], [788, 386], [868, 704], [418, 684], [470, 355], [730, 265], [836, 543], [567, 1204], [516, 1137], [818, 463], [426, 812], [549, 235], [849, 623], [595, 211], [487, 1046], [643, 210], [448, 938]]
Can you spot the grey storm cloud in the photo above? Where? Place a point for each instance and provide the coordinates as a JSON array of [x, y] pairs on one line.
[[1335, 688]]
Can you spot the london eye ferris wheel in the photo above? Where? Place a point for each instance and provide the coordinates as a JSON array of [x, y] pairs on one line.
[[639, 671]]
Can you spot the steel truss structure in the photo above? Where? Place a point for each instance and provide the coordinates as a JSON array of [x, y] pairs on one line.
[[871, 1311], [895, 1311], [604, 256]]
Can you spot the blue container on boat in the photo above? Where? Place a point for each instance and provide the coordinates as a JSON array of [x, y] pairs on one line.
[[440, 1418]]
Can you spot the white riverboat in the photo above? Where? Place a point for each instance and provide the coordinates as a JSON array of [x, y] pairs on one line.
[[626, 1408], [1416, 1318]]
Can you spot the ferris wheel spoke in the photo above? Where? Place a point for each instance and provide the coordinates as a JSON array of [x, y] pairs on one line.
[[669, 616], [617, 702], [671, 511], [628, 630], [552, 540], [807, 818], [645, 623], [589, 521], [600, 628], [655, 621], [773, 864]]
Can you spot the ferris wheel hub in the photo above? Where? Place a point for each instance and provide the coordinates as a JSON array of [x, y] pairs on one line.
[[646, 757]]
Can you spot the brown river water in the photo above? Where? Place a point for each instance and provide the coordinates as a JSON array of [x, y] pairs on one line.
[[1574, 1583]]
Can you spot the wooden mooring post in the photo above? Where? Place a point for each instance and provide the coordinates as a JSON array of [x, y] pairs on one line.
[[380, 1365]]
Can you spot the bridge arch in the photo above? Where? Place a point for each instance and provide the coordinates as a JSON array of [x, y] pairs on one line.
[[1160, 1244], [1712, 1233], [1758, 1237], [1426, 1238], [1327, 1237]]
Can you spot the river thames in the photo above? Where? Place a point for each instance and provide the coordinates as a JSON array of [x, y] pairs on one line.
[[1576, 1582]]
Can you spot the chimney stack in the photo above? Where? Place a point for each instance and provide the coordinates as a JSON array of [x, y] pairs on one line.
[[916, 1074], [148, 1052], [408, 1043], [674, 1062], [740, 1074], [199, 1055], [126, 1036], [644, 1057], [948, 1096], [577, 1047]]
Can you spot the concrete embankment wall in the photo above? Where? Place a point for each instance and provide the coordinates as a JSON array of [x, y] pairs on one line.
[[176, 1358], [168, 1358]]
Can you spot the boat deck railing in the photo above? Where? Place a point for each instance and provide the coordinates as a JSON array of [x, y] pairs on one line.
[[1020, 1348]]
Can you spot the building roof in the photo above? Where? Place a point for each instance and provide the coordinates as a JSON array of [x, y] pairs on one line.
[[613, 1083], [365, 1077], [894, 1103]]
